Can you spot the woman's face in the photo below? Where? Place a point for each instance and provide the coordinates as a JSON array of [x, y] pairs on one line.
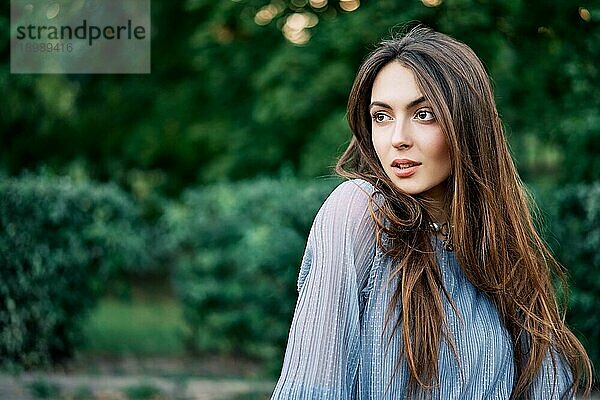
[[406, 134]]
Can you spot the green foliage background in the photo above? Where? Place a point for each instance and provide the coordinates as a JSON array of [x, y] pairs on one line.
[[191, 152], [240, 245], [61, 240], [228, 99]]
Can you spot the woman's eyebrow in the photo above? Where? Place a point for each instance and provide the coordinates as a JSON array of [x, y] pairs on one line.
[[380, 104], [408, 106], [416, 102]]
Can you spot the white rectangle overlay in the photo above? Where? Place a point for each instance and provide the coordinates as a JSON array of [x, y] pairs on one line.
[[80, 36]]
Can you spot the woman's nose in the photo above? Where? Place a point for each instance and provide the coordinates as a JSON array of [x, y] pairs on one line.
[[401, 137]]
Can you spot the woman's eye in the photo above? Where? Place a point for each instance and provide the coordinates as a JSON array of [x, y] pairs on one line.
[[424, 115], [380, 117]]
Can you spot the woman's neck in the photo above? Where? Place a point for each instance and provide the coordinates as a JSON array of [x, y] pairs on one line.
[[434, 202]]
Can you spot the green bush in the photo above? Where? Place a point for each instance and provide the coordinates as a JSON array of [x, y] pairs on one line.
[[43, 389], [240, 247], [575, 225], [143, 391], [59, 242]]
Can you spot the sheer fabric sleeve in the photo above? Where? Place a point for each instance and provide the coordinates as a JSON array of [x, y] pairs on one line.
[[321, 359], [550, 385]]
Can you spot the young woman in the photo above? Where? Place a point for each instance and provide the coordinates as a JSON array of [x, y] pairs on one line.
[[423, 275]]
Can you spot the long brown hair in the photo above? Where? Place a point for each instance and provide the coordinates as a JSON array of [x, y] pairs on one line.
[[493, 233]]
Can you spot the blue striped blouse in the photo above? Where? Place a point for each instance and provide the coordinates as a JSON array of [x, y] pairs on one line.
[[337, 345]]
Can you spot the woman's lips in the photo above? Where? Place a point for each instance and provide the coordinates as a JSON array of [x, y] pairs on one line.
[[405, 172], [403, 167]]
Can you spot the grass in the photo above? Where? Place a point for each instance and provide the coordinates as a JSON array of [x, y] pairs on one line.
[[148, 328], [140, 328]]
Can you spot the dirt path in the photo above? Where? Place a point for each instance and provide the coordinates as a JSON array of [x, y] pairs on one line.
[[34, 386]]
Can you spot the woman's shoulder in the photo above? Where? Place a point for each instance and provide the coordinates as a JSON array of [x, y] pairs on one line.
[[350, 201], [356, 192], [358, 183]]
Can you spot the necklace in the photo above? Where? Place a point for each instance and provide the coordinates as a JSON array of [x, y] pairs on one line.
[[445, 230]]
